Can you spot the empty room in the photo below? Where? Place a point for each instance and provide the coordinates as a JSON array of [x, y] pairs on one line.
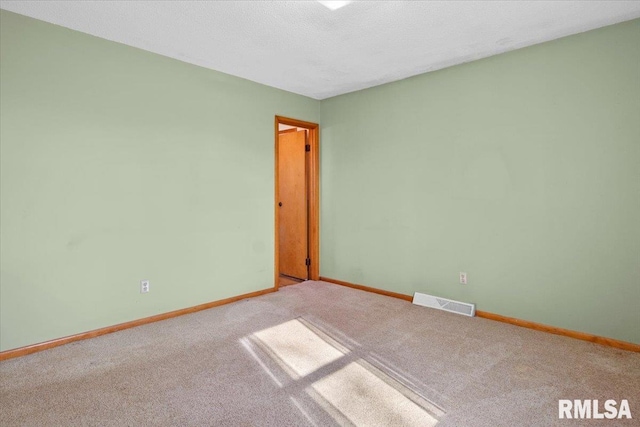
[[319, 213]]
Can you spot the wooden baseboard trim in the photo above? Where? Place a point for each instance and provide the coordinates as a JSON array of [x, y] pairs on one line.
[[368, 289], [34, 348], [610, 342]]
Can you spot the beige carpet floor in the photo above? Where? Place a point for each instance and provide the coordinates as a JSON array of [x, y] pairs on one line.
[[317, 354]]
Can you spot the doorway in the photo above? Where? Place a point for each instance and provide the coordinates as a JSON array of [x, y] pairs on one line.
[[297, 201]]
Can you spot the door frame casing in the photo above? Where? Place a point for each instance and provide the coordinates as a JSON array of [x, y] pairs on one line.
[[313, 174]]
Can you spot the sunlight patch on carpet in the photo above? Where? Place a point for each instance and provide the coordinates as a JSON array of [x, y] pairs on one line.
[[296, 348], [365, 399], [322, 371]]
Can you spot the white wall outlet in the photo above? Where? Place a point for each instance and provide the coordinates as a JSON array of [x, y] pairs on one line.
[[463, 278], [144, 286]]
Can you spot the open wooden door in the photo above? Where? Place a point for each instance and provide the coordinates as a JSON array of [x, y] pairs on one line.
[[293, 206], [297, 201]]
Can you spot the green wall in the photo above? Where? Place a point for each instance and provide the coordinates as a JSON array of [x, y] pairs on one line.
[[522, 170], [120, 165]]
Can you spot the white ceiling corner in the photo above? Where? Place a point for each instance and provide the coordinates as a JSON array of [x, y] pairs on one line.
[[305, 48]]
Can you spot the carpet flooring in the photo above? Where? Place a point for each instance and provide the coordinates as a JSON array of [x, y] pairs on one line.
[[317, 354]]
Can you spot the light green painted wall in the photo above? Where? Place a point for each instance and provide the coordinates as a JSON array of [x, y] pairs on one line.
[[119, 165], [522, 170]]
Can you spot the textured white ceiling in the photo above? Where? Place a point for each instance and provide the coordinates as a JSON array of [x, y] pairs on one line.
[[303, 47]]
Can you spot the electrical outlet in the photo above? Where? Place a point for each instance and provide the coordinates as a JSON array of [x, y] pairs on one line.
[[463, 278], [144, 286]]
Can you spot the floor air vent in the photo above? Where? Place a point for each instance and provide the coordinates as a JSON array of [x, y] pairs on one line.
[[444, 304]]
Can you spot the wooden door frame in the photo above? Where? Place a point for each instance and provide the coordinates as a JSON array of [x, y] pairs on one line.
[[314, 197]]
